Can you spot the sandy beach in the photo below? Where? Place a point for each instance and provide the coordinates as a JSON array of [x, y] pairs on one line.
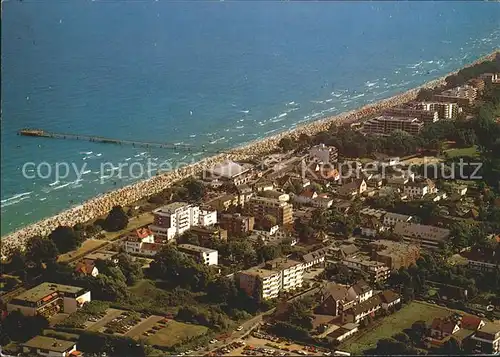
[[127, 195]]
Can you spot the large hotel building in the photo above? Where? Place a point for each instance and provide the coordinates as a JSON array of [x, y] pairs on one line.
[[385, 125], [426, 116]]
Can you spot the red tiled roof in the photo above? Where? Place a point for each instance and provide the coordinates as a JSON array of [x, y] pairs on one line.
[[143, 232], [470, 322]]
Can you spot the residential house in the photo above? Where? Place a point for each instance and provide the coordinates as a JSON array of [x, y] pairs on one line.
[[335, 299], [360, 291], [102, 255], [443, 327], [50, 347], [314, 258], [390, 300], [263, 185], [419, 188], [86, 268], [486, 340], [360, 311], [342, 252], [135, 240], [223, 203], [352, 189]]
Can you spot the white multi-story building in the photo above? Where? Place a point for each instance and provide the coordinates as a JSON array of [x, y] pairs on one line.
[[277, 275], [201, 254], [419, 189], [176, 218], [134, 242], [207, 218], [324, 154]]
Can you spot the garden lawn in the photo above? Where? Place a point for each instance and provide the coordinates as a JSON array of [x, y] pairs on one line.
[[174, 333], [393, 324], [465, 152]]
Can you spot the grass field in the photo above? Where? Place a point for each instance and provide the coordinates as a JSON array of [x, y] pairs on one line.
[[174, 333], [393, 324], [139, 221], [86, 247], [470, 151]]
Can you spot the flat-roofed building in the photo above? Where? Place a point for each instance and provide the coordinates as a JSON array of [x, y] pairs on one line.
[[48, 299], [487, 339], [205, 234], [385, 125], [237, 224], [463, 96], [50, 347], [425, 116], [260, 207], [376, 271], [427, 236], [391, 218], [292, 272], [178, 217], [201, 254], [229, 171], [444, 110], [394, 254], [261, 283], [102, 255]]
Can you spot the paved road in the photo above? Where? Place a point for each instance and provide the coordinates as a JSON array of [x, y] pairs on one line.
[[250, 325]]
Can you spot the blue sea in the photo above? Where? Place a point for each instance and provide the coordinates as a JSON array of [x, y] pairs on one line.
[[208, 74]]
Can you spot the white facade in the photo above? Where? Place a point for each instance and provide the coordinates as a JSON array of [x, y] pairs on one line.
[[390, 219], [207, 218], [176, 218], [293, 277], [203, 255], [72, 304]]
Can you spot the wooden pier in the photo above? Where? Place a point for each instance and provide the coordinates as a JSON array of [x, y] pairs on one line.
[[100, 139]]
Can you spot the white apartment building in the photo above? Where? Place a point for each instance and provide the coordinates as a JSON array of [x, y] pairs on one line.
[[277, 275], [377, 271], [263, 283], [201, 254], [324, 154], [207, 218], [176, 218]]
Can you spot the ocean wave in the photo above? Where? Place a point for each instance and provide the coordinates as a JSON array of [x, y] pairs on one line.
[[11, 202], [16, 196], [318, 101], [358, 96], [240, 127], [291, 103], [216, 141], [86, 172], [192, 136], [53, 183], [61, 186], [370, 84], [86, 152], [245, 111]]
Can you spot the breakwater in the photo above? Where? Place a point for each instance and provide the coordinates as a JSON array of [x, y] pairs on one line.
[[101, 204]]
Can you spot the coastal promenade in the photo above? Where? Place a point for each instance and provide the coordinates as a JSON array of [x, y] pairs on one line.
[[100, 205]]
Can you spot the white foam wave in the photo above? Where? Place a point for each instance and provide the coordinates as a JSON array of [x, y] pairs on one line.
[[245, 111], [53, 183], [86, 152], [19, 195]]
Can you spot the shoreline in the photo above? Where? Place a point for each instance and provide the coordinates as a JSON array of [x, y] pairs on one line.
[[101, 204]]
